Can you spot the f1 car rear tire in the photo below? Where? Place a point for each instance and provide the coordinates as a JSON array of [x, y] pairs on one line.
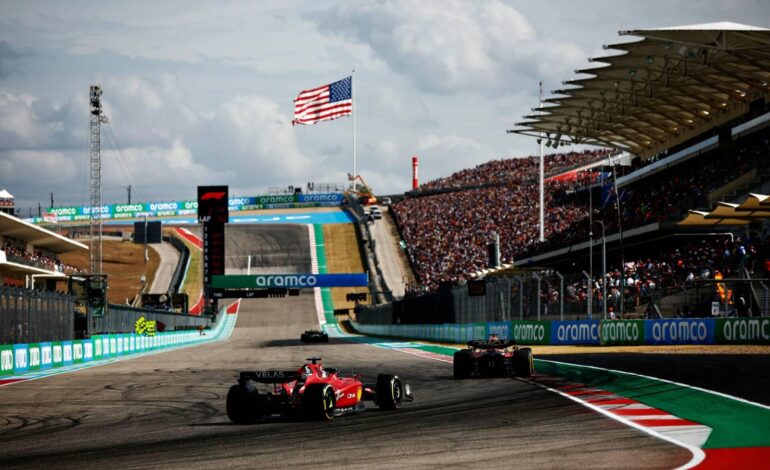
[[390, 392], [243, 406], [319, 401], [462, 364], [523, 365], [303, 338]]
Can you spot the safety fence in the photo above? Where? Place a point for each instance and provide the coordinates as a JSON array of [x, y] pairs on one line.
[[32, 316], [39, 356], [122, 319], [589, 332], [550, 295]]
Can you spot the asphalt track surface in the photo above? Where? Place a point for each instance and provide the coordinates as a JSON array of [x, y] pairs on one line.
[[168, 410]]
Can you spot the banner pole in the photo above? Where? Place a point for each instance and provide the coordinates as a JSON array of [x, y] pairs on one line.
[[353, 97]]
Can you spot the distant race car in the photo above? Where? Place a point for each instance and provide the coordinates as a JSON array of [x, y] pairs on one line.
[[312, 391], [493, 358], [314, 336]]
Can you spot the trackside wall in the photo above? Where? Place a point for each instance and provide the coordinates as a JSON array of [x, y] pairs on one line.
[[22, 358], [590, 332]]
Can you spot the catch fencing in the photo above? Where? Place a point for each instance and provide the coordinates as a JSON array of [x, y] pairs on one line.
[[122, 319], [33, 316], [552, 295]]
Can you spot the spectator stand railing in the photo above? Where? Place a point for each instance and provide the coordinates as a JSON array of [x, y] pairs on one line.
[[30, 316]]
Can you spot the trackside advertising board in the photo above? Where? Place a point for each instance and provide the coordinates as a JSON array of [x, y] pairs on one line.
[[622, 332], [22, 358], [179, 208], [531, 332], [261, 281], [604, 332], [679, 331], [743, 330], [575, 332]]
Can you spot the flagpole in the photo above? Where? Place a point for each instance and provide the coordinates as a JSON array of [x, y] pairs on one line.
[[542, 171], [353, 108]]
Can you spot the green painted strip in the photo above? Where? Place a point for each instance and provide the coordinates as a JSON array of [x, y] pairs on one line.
[[326, 294], [734, 423]]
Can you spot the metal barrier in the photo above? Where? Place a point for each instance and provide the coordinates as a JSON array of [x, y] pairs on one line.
[[551, 295], [184, 256], [30, 316], [122, 319]]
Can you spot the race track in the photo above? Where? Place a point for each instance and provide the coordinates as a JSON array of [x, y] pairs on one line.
[[167, 410]]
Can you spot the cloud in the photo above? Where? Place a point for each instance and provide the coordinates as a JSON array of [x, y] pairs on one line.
[[155, 141], [10, 58], [32, 123], [452, 46]]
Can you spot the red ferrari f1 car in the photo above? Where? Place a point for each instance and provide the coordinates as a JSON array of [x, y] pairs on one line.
[[493, 358], [312, 391]]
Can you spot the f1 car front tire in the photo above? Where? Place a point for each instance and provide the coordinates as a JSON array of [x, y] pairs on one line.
[[390, 392], [462, 364], [319, 401], [244, 406], [523, 365]]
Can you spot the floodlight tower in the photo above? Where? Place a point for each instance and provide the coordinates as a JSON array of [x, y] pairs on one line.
[[95, 152]]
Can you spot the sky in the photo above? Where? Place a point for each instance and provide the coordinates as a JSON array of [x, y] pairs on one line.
[[200, 92]]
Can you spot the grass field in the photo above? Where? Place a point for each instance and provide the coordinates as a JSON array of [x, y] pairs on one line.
[[342, 256], [125, 265]]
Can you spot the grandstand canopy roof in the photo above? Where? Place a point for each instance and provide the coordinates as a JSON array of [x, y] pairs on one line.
[[756, 207], [670, 86], [40, 237], [729, 210], [755, 202], [698, 219]]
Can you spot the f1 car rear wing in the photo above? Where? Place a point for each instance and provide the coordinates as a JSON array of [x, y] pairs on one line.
[[491, 344], [270, 376]]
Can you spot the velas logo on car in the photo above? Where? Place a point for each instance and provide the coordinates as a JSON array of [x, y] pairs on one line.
[[213, 195], [270, 374]]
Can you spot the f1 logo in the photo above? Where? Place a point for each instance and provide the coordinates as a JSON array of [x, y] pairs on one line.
[[215, 195]]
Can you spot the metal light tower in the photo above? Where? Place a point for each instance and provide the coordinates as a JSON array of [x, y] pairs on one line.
[[95, 153]]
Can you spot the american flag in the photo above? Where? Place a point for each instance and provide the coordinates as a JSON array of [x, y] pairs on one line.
[[324, 103]]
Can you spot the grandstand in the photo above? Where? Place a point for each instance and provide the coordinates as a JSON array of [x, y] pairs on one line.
[[684, 119], [29, 254]]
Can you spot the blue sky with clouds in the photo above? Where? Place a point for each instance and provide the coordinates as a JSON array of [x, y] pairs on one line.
[[201, 92]]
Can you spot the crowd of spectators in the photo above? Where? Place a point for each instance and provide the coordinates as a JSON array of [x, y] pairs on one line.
[[447, 234], [39, 258], [512, 171]]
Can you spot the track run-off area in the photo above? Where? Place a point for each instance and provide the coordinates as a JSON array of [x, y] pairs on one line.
[[167, 409]]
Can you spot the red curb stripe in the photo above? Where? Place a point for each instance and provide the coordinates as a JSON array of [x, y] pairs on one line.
[[594, 391], [10, 381], [639, 412], [190, 237], [197, 308], [233, 307], [744, 457], [651, 423], [614, 401], [571, 386]]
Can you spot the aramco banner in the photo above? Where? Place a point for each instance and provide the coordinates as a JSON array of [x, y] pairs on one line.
[[263, 281], [182, 208]]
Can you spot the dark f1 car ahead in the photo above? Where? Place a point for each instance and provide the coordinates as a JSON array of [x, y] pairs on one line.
[[493, 358], [314, 336], [312, 391]]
